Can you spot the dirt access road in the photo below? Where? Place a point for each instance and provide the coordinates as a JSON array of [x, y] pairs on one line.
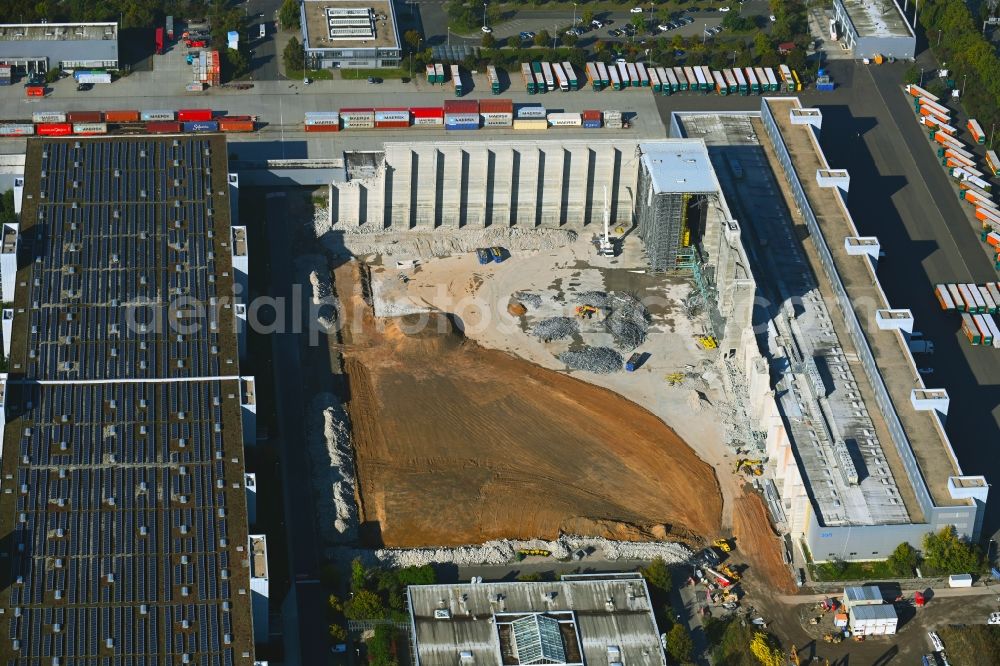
[[457, 444]]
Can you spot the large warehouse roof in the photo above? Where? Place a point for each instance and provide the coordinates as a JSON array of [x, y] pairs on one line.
[[568, 622], [127, 531], [60, 41], [679, 166]]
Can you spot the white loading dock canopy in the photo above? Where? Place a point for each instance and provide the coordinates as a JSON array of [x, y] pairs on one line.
[[873, 620]]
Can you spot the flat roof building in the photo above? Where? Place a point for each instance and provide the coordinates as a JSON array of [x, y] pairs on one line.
[[858, 458], [348, 33], [874, 27], [571, 622], [39, 47], [126, 526]]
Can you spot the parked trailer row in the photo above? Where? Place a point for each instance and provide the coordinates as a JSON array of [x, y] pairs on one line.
[[980, 329], [968, 297], [459, 115], [976, 131], [669, 80]]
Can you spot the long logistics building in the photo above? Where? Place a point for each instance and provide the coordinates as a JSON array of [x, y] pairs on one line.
[[858, 457], [124, 508]]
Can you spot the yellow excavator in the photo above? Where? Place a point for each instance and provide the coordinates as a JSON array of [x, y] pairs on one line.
[[723, 545], [754, 467], [586, 311]]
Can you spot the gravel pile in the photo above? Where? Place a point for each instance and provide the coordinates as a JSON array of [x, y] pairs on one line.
[[555, 328], [369, 239], [504, 551], [597, 299], [329, 435], [600, 360], [628, 321], [528, 298]]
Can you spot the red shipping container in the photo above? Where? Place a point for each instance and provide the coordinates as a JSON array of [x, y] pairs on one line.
[[85, 117], [236, 118], [159, 41], [322, 128], [496, 106], [189, 115], [427, 112], [121, 116], [165, 127], [392, 123], [35, 91], [591, 115], [233, 125], [53, 129], [461, 106]]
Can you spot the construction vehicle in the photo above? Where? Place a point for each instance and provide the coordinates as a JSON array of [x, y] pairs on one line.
[[540, 552], [708, 342], [754, 467], [730, 572], [587, 311], [833, 638], [723, 545], [605, 248], [675, 378]]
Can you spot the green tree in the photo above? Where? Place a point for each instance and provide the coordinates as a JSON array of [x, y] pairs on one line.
[[412, 39], [762, 44], [238, 63], [358, 575], [679, 644], [335, 604], [52, 75], [946, 553], [587, 16], [7, 207], [338, 633], [657, 574], [289, 15], [489, 41], [639, 22], [380, 647], [543, 38], [293, 56], [423, 575], [364, 605], [569, 40], [903, 560]]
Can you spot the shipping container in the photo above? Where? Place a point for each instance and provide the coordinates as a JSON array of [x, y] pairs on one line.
[[917, 91], [612, 119], [721, 86], [980, 301], [48, 117], [429, 73], [988, 215], [461, 121], [392, 118], [357, 118], [602, 69], [227, 124], [654, 80], [624, 74], [706, 74], [200, 126], [35, 91], [976, 131], [322, 118], [616, 82], [734, 87], [761, 79], [188, 115], [155, 116], [992, 162], [550, 79], [565, 120], [323, 128], [971, 332], [692, 79], [741, 81], [985, 332], [92, 77], [163, 127], [571, 77], [456, 81], [640, 69], [17, 129], [439, 72], [991, 305], [85, 117], [529, 78], [466, 106], [53, 129], [497, 119], [956, 297], [530, 124], [994, 292], [950, 150], [594, 77], [494, 79], [924, 103], [495, 106], [591, 119], [772, 80], [531, 112], [752, 81], [675, 85], [943, 297], [561, 81], [973, 194], [90, 128], [971, 305], [427, 115], [158, 39], [994, 330]]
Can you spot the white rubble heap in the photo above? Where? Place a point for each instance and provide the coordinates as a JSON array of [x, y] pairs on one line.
[[329, 435], [415, 243], [504, 551]]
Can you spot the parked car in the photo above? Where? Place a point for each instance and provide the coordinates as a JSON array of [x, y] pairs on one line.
[[664, 27], [487, 29], [773, 18], [926, 371], [724, 9], [636, 10], [83, 87], [306, 81], [526, 35], [615, 33], [597, 24], [374, 79]]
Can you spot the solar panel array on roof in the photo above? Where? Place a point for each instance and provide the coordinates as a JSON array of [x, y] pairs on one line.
[[127, 546]]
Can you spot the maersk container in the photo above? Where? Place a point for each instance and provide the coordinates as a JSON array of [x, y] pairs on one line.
[[17, 129], [564, 119], [322, 118], [429, 115], [48, 117], [531, 112], [387, 118], [201, 126], [90, 128], [461, 121], [92, 77], [493, 119], [156, 116], [357, 118]]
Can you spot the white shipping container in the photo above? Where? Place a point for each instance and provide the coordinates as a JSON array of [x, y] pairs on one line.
[[461, 118], [497, 119], [428, 121], [147, 116], [23, 129], [960, 580], [323, 118], [392, 116], [93, 77], [48, 117], [565, 120], [534, 112], [90, 128]]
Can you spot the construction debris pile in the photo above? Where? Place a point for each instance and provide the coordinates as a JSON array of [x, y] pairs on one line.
[[506, 551], [600, 360], [323, 304], [329, 435], [555, 328], [528, 299], [625, 317]]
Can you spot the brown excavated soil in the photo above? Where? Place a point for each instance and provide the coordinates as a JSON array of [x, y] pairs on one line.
[[759, 546], [457, 444]]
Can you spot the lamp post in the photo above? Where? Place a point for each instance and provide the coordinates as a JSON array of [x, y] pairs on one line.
[[734, 58], [484, 16], [965, 77], [704, 33], [574, 14], [448, 28]]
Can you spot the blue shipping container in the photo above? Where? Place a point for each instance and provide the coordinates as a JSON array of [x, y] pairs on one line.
[[592, 124], [4, 82], [824, 87], [201, 126], [463, 126]]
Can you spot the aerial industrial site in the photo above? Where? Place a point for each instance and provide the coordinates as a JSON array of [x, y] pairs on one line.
[[378, 334]]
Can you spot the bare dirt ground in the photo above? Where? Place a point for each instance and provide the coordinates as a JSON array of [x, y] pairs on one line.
[[759, 547], [459, 444]]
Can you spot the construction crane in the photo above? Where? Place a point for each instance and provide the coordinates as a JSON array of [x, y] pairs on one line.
[[605, 248]]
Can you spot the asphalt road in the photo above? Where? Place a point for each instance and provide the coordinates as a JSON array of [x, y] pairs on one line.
[[264, 61], [304, 549]]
